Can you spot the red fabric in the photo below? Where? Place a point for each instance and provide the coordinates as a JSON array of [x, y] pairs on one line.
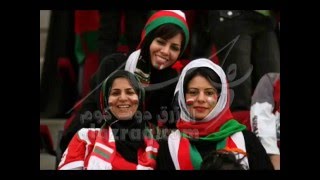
[[276, 95], [86, 20], [166, 13], [215, 58], [65, 66], [184, 156], [180, 64], [243, 117]]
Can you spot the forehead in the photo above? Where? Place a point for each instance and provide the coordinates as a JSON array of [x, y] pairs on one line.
[[199, 81], [121, 82]]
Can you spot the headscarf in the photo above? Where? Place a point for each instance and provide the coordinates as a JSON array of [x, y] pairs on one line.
[[136, 62], [106, 88], [126, 145], [219, 115]]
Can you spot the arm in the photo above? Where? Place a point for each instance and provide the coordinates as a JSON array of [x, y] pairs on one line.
[[74, 156], [275, 159]]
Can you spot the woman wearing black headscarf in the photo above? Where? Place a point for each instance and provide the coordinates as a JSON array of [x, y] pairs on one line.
[[124, 142]]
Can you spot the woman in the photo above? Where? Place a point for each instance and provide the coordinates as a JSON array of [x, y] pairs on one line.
[[163, 40], [206, 123], [123, 142]]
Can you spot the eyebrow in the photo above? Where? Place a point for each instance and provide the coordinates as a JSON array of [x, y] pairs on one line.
[[204, 89], [117, 89]]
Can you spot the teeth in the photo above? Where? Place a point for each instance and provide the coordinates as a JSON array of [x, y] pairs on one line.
[[124, 106]]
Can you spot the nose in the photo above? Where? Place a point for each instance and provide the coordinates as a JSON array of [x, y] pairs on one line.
[[201, 97], [123, 96]]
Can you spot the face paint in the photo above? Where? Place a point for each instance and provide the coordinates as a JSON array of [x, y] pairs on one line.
[[189, 102], [161, 66], [213, 100]]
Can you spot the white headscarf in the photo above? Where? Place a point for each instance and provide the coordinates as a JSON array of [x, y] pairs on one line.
[[222, 102]]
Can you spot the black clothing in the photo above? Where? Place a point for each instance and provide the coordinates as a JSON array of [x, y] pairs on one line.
[[58, 90], [257, 156], [256, 47]]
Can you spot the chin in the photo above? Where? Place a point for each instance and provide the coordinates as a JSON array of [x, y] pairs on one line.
[[125, 117]]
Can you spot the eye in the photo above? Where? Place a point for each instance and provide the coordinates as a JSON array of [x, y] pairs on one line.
[[210, 93], [131, 92], [115, 93], [160, 41], [175, 48], [192, 92]]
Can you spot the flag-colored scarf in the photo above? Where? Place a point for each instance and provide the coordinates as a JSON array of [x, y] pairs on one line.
[[186, 156], [105, 156]]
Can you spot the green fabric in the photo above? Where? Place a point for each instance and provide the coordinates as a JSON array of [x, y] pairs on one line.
[[80, 55], [195, 157], [230, 127], [88, 40], [164, 20], [264, 12]]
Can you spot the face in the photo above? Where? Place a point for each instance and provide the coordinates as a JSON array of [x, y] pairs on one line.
[[164, 53], [201, 97], [123, 100]]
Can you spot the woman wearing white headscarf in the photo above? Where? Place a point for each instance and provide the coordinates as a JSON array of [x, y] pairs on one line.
[[206, 123]]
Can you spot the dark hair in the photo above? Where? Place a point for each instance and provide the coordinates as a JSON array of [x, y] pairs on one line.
[[221, 160], [205, 72], [165, 31]]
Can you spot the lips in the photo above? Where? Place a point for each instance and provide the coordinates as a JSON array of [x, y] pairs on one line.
[[123, 106], [161, 60], [200, 109]]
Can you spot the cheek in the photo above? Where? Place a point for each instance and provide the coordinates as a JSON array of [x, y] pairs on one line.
[[134, 99], [213, 100], [189, 102], [111, 101]]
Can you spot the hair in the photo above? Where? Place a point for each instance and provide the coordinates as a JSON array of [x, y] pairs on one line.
[[222, 160], [205, 72], [165, 31]]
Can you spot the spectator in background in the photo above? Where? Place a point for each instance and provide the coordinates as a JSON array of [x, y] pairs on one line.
[[265, 115], [120, 27], [254, 52]]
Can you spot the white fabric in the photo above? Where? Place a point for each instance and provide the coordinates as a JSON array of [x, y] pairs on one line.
[[140, 167], [72, 165], [180, 13], [174, 142], [95, 163], [202, 62], [263, 123], [132, 61], [238, 139]]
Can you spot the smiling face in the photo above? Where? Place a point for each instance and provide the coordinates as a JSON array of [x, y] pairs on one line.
[[164, 53], [201, 97], [123, 100]]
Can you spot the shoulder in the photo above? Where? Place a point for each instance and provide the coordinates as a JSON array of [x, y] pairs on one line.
[[88, 134], [116, 59], [109, 64]]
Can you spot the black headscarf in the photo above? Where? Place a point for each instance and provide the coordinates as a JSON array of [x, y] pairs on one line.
[[126, 145]]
